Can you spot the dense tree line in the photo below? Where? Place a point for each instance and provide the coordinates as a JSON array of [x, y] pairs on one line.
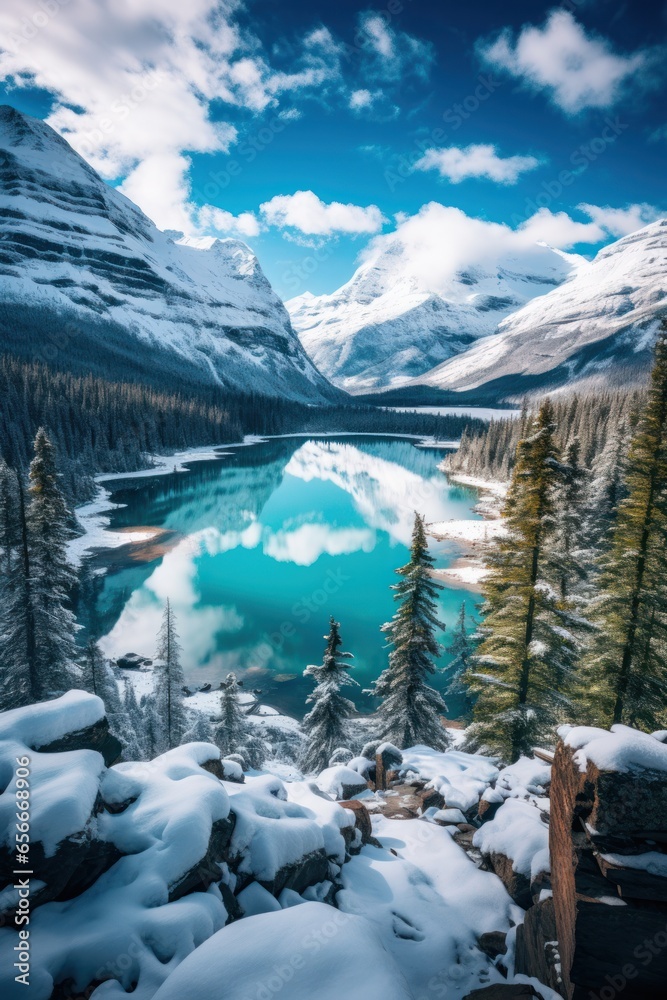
[[598, 421], [98, 425], [574, 620]]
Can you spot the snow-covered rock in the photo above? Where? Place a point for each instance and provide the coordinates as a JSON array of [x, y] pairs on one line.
[[299, 953], [598, 325], [342, 782], [390, 323], [86, 278], [461, 778], [516, 845]]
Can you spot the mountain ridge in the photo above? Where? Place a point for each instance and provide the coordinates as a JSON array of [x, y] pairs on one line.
[[86, 279], [599, 326], [388, 324]]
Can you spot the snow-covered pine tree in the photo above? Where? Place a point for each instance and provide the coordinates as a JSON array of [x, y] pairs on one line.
[[199, 731], [234, 734], [461, 649], [522, 669], [325, 725], [169, 684], [410, 711], [153, 727], [51, 576], [8, 527], [606, 490], [137, 748], [570, 560], [625, 676], [18, 669]]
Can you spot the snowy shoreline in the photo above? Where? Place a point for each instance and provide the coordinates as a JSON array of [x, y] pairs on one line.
[[474, 538]]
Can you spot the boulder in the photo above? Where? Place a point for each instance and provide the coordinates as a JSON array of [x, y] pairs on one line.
[[307, 871], [493, 944], [341, 782], [207, 870], [429, 798], [387, 757], [132, 661], [93, 737], [362, 820]]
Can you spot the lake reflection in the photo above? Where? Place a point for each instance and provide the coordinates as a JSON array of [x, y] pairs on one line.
[[257, 549]]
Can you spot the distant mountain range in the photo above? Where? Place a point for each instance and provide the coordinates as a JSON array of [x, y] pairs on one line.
[[388, 324], [541, 320], [89, 283]]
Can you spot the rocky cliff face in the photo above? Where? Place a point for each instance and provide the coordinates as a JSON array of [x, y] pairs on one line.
[[88, 282]]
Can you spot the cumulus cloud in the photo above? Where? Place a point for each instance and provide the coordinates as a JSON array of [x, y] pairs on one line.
[[134, 84], [579, 70], [621, 221], [439, 241], [456, 164], [217, 220], [305, 212]]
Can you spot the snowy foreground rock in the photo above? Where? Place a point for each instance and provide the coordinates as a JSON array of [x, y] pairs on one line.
[[165, 880]]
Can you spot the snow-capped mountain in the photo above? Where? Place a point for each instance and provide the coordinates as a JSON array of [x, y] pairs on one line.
[[598, 325], [391, 323], [87, 281]]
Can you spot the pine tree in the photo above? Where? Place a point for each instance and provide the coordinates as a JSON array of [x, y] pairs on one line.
[[137, 747], [234, 733], [625, 676], [169, 686], [461, 649], [410, 711], [200, 730], [523, 666], [325, 725], [606, 490], [51, 576], [570, 562], [18, 669]]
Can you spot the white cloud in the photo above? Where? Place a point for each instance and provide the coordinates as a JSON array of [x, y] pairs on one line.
[[439, 241], [481, 160], [579, 70], [360, 99], [558, 229], [621, 221], [391, 55], [218, 220], [134, 82], [308, 214]]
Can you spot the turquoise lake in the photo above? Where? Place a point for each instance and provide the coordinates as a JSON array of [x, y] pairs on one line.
[[256, 549]]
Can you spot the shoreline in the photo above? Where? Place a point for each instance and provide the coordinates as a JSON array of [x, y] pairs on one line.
[[474, 538]]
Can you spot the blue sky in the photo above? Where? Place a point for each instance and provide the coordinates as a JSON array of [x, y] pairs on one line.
[[310, 130]]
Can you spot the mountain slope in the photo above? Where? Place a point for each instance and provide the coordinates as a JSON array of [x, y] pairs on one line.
[[390, 323], [600, 324], [88, 282]]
